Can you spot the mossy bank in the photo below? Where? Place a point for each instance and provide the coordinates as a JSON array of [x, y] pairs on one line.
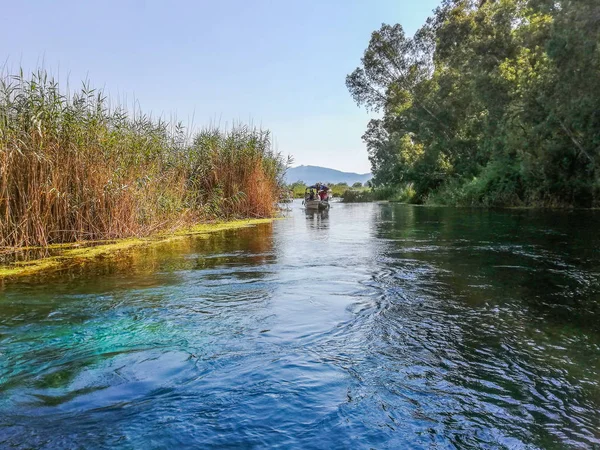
[[64, 255]]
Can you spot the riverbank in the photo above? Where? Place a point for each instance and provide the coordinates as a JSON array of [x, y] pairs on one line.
[[61, 256], [406, 196]]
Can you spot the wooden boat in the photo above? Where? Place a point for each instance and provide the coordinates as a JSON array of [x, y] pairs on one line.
[[316, 204], [314, 201]]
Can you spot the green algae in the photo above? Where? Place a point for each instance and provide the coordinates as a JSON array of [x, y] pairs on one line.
[[63, 255], [203, 228]]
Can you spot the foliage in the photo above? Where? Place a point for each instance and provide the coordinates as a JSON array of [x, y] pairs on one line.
[[72, 168], [337, 190], [406, 194], [490, 103], [403, 194], [298, 188], [357, 196]]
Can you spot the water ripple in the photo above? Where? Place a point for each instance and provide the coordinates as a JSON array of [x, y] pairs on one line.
[[369, 326]]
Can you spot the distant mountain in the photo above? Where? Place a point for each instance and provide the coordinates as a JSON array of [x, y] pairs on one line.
[[313, 174]]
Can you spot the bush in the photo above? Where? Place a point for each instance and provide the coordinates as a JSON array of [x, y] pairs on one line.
[[499, 184], [356, 196], [404, 194]]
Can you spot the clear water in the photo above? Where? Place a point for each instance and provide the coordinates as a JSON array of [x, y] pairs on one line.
[[368, 326]]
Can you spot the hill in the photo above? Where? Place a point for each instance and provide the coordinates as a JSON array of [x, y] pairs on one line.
[[313, 174]]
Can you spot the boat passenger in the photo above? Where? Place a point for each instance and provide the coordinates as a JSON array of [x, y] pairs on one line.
[[312, 195], [323, 194]]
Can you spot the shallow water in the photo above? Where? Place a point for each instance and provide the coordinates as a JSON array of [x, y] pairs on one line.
[[368, 326]]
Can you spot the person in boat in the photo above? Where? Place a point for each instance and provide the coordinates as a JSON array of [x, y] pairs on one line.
[[323, 194], [312, 195]]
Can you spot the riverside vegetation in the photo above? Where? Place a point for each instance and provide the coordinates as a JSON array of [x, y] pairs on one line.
[[359, 193], [490, 103], [72, 168], [336, 189]]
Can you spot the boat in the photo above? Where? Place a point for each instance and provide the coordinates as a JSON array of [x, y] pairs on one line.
[[316, 197]]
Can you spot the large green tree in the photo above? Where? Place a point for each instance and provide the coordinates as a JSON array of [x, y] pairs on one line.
[[490, 102]]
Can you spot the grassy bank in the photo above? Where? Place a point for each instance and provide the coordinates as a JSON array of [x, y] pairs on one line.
[[74, 169], [405, 194], [60, 256]]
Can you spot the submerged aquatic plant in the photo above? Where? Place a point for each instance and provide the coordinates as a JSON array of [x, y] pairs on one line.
[[73, 168]]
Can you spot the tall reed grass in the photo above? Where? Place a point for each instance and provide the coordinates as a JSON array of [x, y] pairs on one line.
[[72, 168]]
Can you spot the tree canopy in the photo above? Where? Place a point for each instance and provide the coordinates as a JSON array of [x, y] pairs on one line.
[[490, 103]]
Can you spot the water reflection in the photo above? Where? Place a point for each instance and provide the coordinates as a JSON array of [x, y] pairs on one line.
[[317, 220], [482, 302]]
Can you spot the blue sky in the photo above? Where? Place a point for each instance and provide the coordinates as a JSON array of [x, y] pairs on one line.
[[280, 64]]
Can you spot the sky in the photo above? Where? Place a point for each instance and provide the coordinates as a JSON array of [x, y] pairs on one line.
[[279, 65]]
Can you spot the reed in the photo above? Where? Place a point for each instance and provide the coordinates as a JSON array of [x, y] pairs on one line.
[[72, 168]]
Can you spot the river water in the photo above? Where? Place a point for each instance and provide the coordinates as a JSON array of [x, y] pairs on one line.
[[368, 326]]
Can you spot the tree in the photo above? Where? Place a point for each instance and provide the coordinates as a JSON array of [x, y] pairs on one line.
[[490, 102]]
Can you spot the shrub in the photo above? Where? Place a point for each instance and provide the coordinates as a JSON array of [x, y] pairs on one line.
[[356, 196]]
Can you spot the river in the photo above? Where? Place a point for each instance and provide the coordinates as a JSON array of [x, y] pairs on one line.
[[367, 326]]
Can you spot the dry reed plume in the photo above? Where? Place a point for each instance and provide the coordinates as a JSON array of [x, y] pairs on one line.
[[71, 168]]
